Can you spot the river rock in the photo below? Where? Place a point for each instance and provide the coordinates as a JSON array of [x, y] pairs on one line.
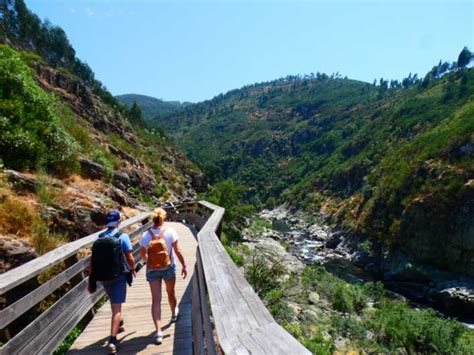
[[457, 300], [275, 251], [317, 232]]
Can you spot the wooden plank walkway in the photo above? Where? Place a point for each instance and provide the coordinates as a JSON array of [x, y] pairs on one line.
[[136, 312]]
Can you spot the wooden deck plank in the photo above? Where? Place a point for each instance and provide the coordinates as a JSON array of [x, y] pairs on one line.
[[139, 328]]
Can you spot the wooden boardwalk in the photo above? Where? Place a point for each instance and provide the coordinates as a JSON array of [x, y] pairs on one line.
[[136, 312]]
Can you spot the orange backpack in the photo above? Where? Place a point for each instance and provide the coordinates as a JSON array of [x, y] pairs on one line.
[[158, 257]]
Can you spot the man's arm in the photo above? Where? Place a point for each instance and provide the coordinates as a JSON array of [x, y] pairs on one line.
[[131, 261], [177, 251], [91, 284]]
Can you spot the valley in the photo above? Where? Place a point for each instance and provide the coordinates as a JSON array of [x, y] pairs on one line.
[[349, 205]]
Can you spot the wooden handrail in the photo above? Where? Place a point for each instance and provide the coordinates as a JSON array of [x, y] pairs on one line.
[[27, 271], [45, 332], [241, 321]]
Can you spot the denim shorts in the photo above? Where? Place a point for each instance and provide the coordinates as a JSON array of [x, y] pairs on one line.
[[166, 274], [117, 289]]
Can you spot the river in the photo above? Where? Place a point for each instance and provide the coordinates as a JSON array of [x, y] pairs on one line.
[[309, 243]]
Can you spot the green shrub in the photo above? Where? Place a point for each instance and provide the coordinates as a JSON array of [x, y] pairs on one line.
[[107, 160], [258, 225], [280, 309], [263, 277], [45, 193], [349, 327], [31, 136], [318, 345], [343, 299], [396, 325], [67, 343], [236, 258]]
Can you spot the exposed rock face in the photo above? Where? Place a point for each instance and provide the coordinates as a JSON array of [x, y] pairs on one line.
[[82, 100], [442, 236], [199, 182], [121, 180], [21, 183], [118, 196], [91, 170], [14, 252]]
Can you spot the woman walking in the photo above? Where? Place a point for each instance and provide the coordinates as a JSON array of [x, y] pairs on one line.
[[159, 245]]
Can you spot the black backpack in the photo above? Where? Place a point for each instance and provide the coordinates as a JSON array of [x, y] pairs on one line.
[[107, 257]]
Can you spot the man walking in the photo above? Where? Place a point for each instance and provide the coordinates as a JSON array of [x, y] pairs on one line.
[[112, 263]]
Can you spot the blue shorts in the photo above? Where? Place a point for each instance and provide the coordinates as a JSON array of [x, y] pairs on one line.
[[166, 274], [117, 289]]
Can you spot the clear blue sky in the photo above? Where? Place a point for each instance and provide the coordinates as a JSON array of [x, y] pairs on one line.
[[193, 50]]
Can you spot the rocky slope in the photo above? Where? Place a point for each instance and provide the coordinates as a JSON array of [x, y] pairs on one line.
[[114, 166]]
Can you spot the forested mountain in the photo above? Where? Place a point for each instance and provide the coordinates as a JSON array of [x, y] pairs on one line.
[[150, 106], [68, 149], [393, 160]]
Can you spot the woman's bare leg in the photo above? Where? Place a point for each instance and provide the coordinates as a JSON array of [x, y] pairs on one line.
[[155, 287], [171, 295]]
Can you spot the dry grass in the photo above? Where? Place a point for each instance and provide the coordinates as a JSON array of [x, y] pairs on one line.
[[23, 220], [86, 184]]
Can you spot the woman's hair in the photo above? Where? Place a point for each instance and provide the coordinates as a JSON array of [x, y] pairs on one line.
[[158, 216]]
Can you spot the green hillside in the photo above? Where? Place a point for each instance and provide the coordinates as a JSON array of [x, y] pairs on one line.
[[369, 155], [150, 106]]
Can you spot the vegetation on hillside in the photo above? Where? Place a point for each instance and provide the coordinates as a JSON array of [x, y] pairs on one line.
[[326, 313], [361, 151], [24, 29], [150, 106], [31, 136]]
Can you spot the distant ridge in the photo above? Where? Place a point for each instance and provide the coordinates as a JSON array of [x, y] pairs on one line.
[[151, 106]]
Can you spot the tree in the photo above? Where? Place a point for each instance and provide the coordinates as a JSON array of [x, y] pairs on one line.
[[135, 116], [464, 57]]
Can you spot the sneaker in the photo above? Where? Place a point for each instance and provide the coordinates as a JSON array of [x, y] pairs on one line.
[[158, 338], [121, 327], [112, 348], [175, 317]]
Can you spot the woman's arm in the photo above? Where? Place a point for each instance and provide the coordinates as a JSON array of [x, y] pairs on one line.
[[177, 251]]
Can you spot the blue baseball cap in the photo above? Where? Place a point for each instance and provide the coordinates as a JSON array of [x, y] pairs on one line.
[[112, 219]]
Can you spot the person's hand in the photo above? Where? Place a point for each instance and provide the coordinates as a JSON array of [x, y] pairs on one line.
[[134, 273], [184, 272]]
